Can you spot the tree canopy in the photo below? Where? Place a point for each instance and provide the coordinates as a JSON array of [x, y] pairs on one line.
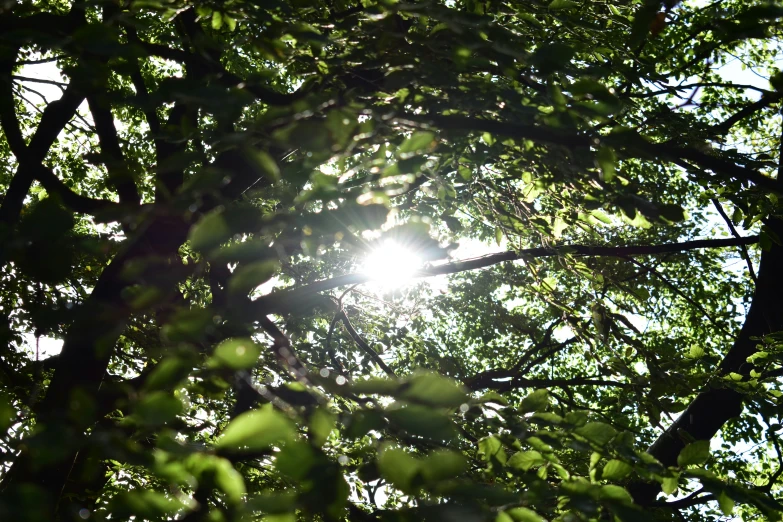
[[210, 205]]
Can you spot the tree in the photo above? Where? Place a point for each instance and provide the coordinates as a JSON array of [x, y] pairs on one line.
[[190, 213]]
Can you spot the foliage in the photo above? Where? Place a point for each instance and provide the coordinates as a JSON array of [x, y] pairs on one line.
[[187, 204]]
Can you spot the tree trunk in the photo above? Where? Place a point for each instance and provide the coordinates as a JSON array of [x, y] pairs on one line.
[[714, 406]]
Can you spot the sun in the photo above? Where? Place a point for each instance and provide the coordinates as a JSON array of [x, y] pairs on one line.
[[391, 265]]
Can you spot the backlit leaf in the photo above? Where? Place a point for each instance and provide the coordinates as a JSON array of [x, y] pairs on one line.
[[256, 430]]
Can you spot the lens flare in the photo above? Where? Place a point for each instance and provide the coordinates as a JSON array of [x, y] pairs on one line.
[[391, 265]]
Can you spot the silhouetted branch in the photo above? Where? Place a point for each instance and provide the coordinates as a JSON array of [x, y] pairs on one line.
[[743, 248], [366, 348], [285, 300]]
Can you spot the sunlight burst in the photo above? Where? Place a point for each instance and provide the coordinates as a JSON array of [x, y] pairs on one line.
[[391, 264]]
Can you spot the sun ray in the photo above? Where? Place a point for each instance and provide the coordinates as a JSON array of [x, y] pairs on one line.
[[391, 265]]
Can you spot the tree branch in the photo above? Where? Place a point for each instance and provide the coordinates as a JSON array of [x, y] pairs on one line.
[[283, 349], [726, 125], [54, 118], [673, 89], [39, 80], [366, 348], [76, 202], [519, 382], [715, 405], [8, 118], [743, 248], [37, 62], [543, 134], [286, 300], [112, 157]]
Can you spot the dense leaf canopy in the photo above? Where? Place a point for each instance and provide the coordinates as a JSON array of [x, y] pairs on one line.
[[209, 205]]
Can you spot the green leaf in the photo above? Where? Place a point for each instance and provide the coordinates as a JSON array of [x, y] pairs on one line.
[[563, 4], [525, 460], [229, 481], [694, 453], [275, 502], [607, 161], [322, 422], [503, 517], [672, 213], [7, 413], [536, 401], [398, 467], [265, 163], [188, 326], [547, 418], [597, 432], [443, 464], [423, 421], [434, 389], [209, 232], [418, 142], [256, 430], [552, 57], [167, 374], [726, 503], [521, 514], [576, 418], [147, 505], [217, 20], [248, 277], [491, 449], [375, 386], [616, 494], [493, 396], [669, 484], [245, 251], [296, 459], [237, 353], [616, 470], [158, 408], [696, 352]]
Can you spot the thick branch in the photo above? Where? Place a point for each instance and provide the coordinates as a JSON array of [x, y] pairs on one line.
[[533, 132], [543, 134], [8, 118], [714, 406], [72, 200], [284, 301], [726, 125], [54, 118], [112, 157]]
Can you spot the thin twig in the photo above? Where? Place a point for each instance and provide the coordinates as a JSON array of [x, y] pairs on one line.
[[283, 349], [679, 292], [743, 248], [61, 85], [40, 61], [364, 346]]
